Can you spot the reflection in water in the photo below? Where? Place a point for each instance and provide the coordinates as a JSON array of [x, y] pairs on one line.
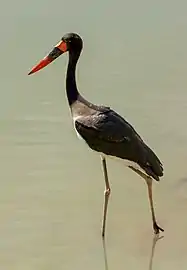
[[105, 255], [155, 239]]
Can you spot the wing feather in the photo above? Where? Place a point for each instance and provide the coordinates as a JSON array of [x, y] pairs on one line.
[[109, 133]]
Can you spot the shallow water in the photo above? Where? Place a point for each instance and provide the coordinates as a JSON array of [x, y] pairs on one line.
[[51, 194]]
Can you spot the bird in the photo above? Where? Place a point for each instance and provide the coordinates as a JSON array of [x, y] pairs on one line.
[[103, 129]]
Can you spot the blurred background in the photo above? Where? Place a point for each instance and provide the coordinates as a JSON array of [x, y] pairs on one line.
[[51, 196]]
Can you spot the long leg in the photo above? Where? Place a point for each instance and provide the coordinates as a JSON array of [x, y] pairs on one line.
[[155, 226], [106, 194], [149, 186]]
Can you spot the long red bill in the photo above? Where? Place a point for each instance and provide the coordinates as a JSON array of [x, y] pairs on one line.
[[59, 49], [44, 62]]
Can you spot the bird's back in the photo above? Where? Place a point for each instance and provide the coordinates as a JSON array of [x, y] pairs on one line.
[[107, 132]]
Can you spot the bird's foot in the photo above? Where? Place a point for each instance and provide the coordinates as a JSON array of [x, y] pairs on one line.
[[156, 228]]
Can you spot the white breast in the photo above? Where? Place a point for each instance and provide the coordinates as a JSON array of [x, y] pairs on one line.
[[75, 118]]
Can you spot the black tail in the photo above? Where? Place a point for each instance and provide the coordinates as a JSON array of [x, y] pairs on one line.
[[153, 165]]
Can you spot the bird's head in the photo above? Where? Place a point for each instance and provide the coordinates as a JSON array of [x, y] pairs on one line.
[[70, 42]]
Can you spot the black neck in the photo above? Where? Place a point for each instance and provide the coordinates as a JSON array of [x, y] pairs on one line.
[[71, 87]]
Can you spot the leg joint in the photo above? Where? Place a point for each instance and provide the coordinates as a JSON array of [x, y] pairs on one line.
[[107, 192]]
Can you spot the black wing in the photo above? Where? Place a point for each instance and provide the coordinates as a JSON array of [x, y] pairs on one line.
[[108, 133]]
